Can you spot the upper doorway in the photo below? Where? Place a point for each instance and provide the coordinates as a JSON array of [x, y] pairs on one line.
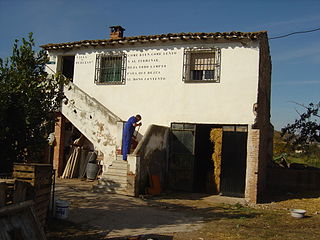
[[68, 66]]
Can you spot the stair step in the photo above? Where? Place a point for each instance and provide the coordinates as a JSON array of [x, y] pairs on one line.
[[119, 163], [114, 177], [119, 158], [117, 171]]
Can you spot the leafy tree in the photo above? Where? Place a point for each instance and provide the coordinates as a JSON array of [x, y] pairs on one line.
[[306, 129], [28, 100], [280, 146]]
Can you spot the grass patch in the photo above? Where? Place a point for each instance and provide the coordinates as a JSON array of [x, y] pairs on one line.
[[262, 224]]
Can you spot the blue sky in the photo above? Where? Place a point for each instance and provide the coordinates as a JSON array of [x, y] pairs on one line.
[[295, 59]]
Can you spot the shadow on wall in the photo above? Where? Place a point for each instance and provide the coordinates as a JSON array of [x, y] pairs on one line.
[[286, 183], [153, 152]]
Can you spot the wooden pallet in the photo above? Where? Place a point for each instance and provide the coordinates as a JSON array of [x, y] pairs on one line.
[[6, 191], [40, 176]]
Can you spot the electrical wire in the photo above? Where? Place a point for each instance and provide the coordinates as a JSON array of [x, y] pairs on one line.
[[300, 32]]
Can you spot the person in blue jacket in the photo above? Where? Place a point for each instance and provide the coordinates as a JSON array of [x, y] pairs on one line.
[[128, 131]]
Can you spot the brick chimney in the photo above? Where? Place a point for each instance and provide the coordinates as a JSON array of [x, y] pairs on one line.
[[116, 32]]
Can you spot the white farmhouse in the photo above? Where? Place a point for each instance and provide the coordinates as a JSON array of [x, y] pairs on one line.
[[187, 87]]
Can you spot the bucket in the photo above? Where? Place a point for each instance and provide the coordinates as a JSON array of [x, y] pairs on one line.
[[92, 170], [298, 213], [62, 209]]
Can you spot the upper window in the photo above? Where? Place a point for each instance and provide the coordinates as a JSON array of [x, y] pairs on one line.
[[202, 65], [110, 68]]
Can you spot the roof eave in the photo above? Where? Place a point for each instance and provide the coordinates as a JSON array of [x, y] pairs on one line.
[[154, 38]]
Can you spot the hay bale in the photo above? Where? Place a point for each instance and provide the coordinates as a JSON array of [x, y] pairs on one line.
[[216, 139]]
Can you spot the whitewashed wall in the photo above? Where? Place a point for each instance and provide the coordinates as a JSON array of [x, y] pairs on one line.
[[154, 86]]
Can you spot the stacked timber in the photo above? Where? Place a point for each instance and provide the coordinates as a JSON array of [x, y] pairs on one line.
[[78, 160], [72, 166], [40, 176]]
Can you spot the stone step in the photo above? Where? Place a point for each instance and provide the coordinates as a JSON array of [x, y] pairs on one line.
[[115, 180], [116, 171], [119, 164], [115, 177], [119, 158]]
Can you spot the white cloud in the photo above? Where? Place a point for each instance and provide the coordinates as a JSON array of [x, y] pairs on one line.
[[295, 21], [312, 52], [297, 82]]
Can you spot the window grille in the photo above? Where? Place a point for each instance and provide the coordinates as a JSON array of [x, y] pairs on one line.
[[110, 68], [202, 65]]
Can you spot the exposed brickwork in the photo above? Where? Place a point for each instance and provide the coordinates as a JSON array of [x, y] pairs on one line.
[[260, 138], [116, 32], [252, 165], [59, 144]]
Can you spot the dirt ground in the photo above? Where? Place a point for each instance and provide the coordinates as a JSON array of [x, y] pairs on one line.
[[179, 216]]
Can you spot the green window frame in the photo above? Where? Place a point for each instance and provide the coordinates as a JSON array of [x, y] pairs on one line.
[[110, 68]]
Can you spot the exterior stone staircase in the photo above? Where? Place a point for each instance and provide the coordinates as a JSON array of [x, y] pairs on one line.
[[97, 123], [115, 180], [104, 130]]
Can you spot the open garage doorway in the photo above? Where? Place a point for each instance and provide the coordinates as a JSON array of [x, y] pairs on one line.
[[197, 163]]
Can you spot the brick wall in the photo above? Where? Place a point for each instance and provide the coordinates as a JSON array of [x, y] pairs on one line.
[[260, 136], [59, 144], [252, 165]]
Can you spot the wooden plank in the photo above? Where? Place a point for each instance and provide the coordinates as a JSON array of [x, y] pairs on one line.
[[3, 194], [42, 211], [43, 204], [42, 215], [24, 174], [40, 232], [43, 173], [23, 167], [43, 186], [22, 191], [27, 180], [43, 191], [7, 181], [40, 183], [42, 208], [10, 209], [42, 198]]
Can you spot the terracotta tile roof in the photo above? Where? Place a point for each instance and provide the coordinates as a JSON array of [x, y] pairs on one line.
[[156, 38]]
